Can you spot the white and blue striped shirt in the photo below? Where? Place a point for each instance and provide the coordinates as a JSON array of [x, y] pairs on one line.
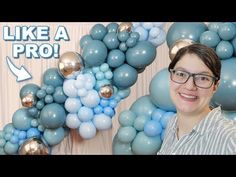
[[214, 135]]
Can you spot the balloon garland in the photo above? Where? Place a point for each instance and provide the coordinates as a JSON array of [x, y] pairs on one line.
[[84, 90]]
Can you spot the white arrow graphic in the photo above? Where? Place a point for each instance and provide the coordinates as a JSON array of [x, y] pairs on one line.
[[21, 74]]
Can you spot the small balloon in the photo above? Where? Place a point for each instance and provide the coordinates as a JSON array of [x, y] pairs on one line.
[[106, 91], [70, 63], [33, 146], [125, 26], [28, 100], [178, 45]]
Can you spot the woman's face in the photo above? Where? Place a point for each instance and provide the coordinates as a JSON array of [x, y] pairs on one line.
[[187, 97]]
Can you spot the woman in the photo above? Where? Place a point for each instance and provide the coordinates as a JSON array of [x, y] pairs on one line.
[[196, 128]]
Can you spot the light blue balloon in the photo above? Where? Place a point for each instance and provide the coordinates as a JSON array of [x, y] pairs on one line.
[[126, 118], [69, 88], [53, 116], [140, 122], [102, 121], [157, 114], [29, 89], [9, 128], [144, 145], [124, 76], [87, 130], [210, 38], [98, 32], [165, 118], [227, 31], [159, 89], [214, 26], [152, 128], [119, 148], [147, 25], [112, 27], [185, 30], [54, 136], [115, 58], [160, 39], [111, 40], [101, 83], [59, 96], [21, 119], [72, 105], [85, 40], [33, 132], [154, 32], [109, 111], [91, 100], [141, 55], [11, 148], [72, 121], [94, 53], [143, 33], [227, 88], [2, 142], [85, 114], [52, 77], [126, 134], [224, 50]]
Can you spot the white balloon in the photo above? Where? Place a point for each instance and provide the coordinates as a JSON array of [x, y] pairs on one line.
[[147, 25], [91, 100], [72, 105], [87, 130], [82, 92], [72, 121], [69, 88], [102, 121]]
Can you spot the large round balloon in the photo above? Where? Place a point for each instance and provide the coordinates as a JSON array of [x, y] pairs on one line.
[[160, 91], [52, 77], [225, 95], [185, 30]]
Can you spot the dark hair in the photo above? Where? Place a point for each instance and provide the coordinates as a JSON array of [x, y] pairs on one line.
[[206, 54]]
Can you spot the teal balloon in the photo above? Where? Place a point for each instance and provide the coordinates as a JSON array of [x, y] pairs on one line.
[[123, 36], [224, 50], [98, 31], [226, 92], [112, 27], [119, 148], [227, 31], [126, 118], [29, 89], [140, 122], [94, 53], [59, 95], [159, 89], [126, 134], [52, 77], [144, 145], [111, 40], [8, 128], [143, 106], [10, 148], [54, 136], [115, 58], [233, 42], [85, 40], [185, 30], [210, 38], [21, 119], [53, 115], [214, 26], [141, 55], [124, 76]]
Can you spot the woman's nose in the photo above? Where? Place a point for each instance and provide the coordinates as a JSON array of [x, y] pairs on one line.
[[190, 85]]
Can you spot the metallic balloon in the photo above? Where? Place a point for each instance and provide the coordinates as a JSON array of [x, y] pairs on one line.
[[125, 26], [33, 146], [178, 45], [28, 100], [106, 91], [70, 63]]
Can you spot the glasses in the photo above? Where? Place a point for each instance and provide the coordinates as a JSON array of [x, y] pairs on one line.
[[200, 80]]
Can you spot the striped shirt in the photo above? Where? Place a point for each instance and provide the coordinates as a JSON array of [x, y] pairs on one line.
[[214, 135]]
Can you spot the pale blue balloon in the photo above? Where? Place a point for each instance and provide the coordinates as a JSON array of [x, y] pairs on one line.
[[85, 40], [140, 122], [111, 40], [154, 32], [91, 100], [126, 118], [102, 121], [2, 142], [224, 50], [142, 55], [104, 67], [227, 31], [69, 88], [152, 128], [109, 111], [98, 32], [72, 105], [10, 148], [87, 130], [126, 134], [33, 132], [29, 89], [165, 118], [21, 119], [157, 114], [119, 148], [144, 145], [210, 38], [124, 76], [143, 33], [108, 74], [94, 53], [159, 89], [59, 96], [112, 27], [9, 128], [101, 83], [52, 77], [53, 115], [143, 106], [72, 121], [54, 136], [115, 58], [160, 39], [214, 26], [147, 25], [85, 114]]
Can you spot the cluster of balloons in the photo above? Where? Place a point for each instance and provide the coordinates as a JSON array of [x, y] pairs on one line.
[[83, 91]]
